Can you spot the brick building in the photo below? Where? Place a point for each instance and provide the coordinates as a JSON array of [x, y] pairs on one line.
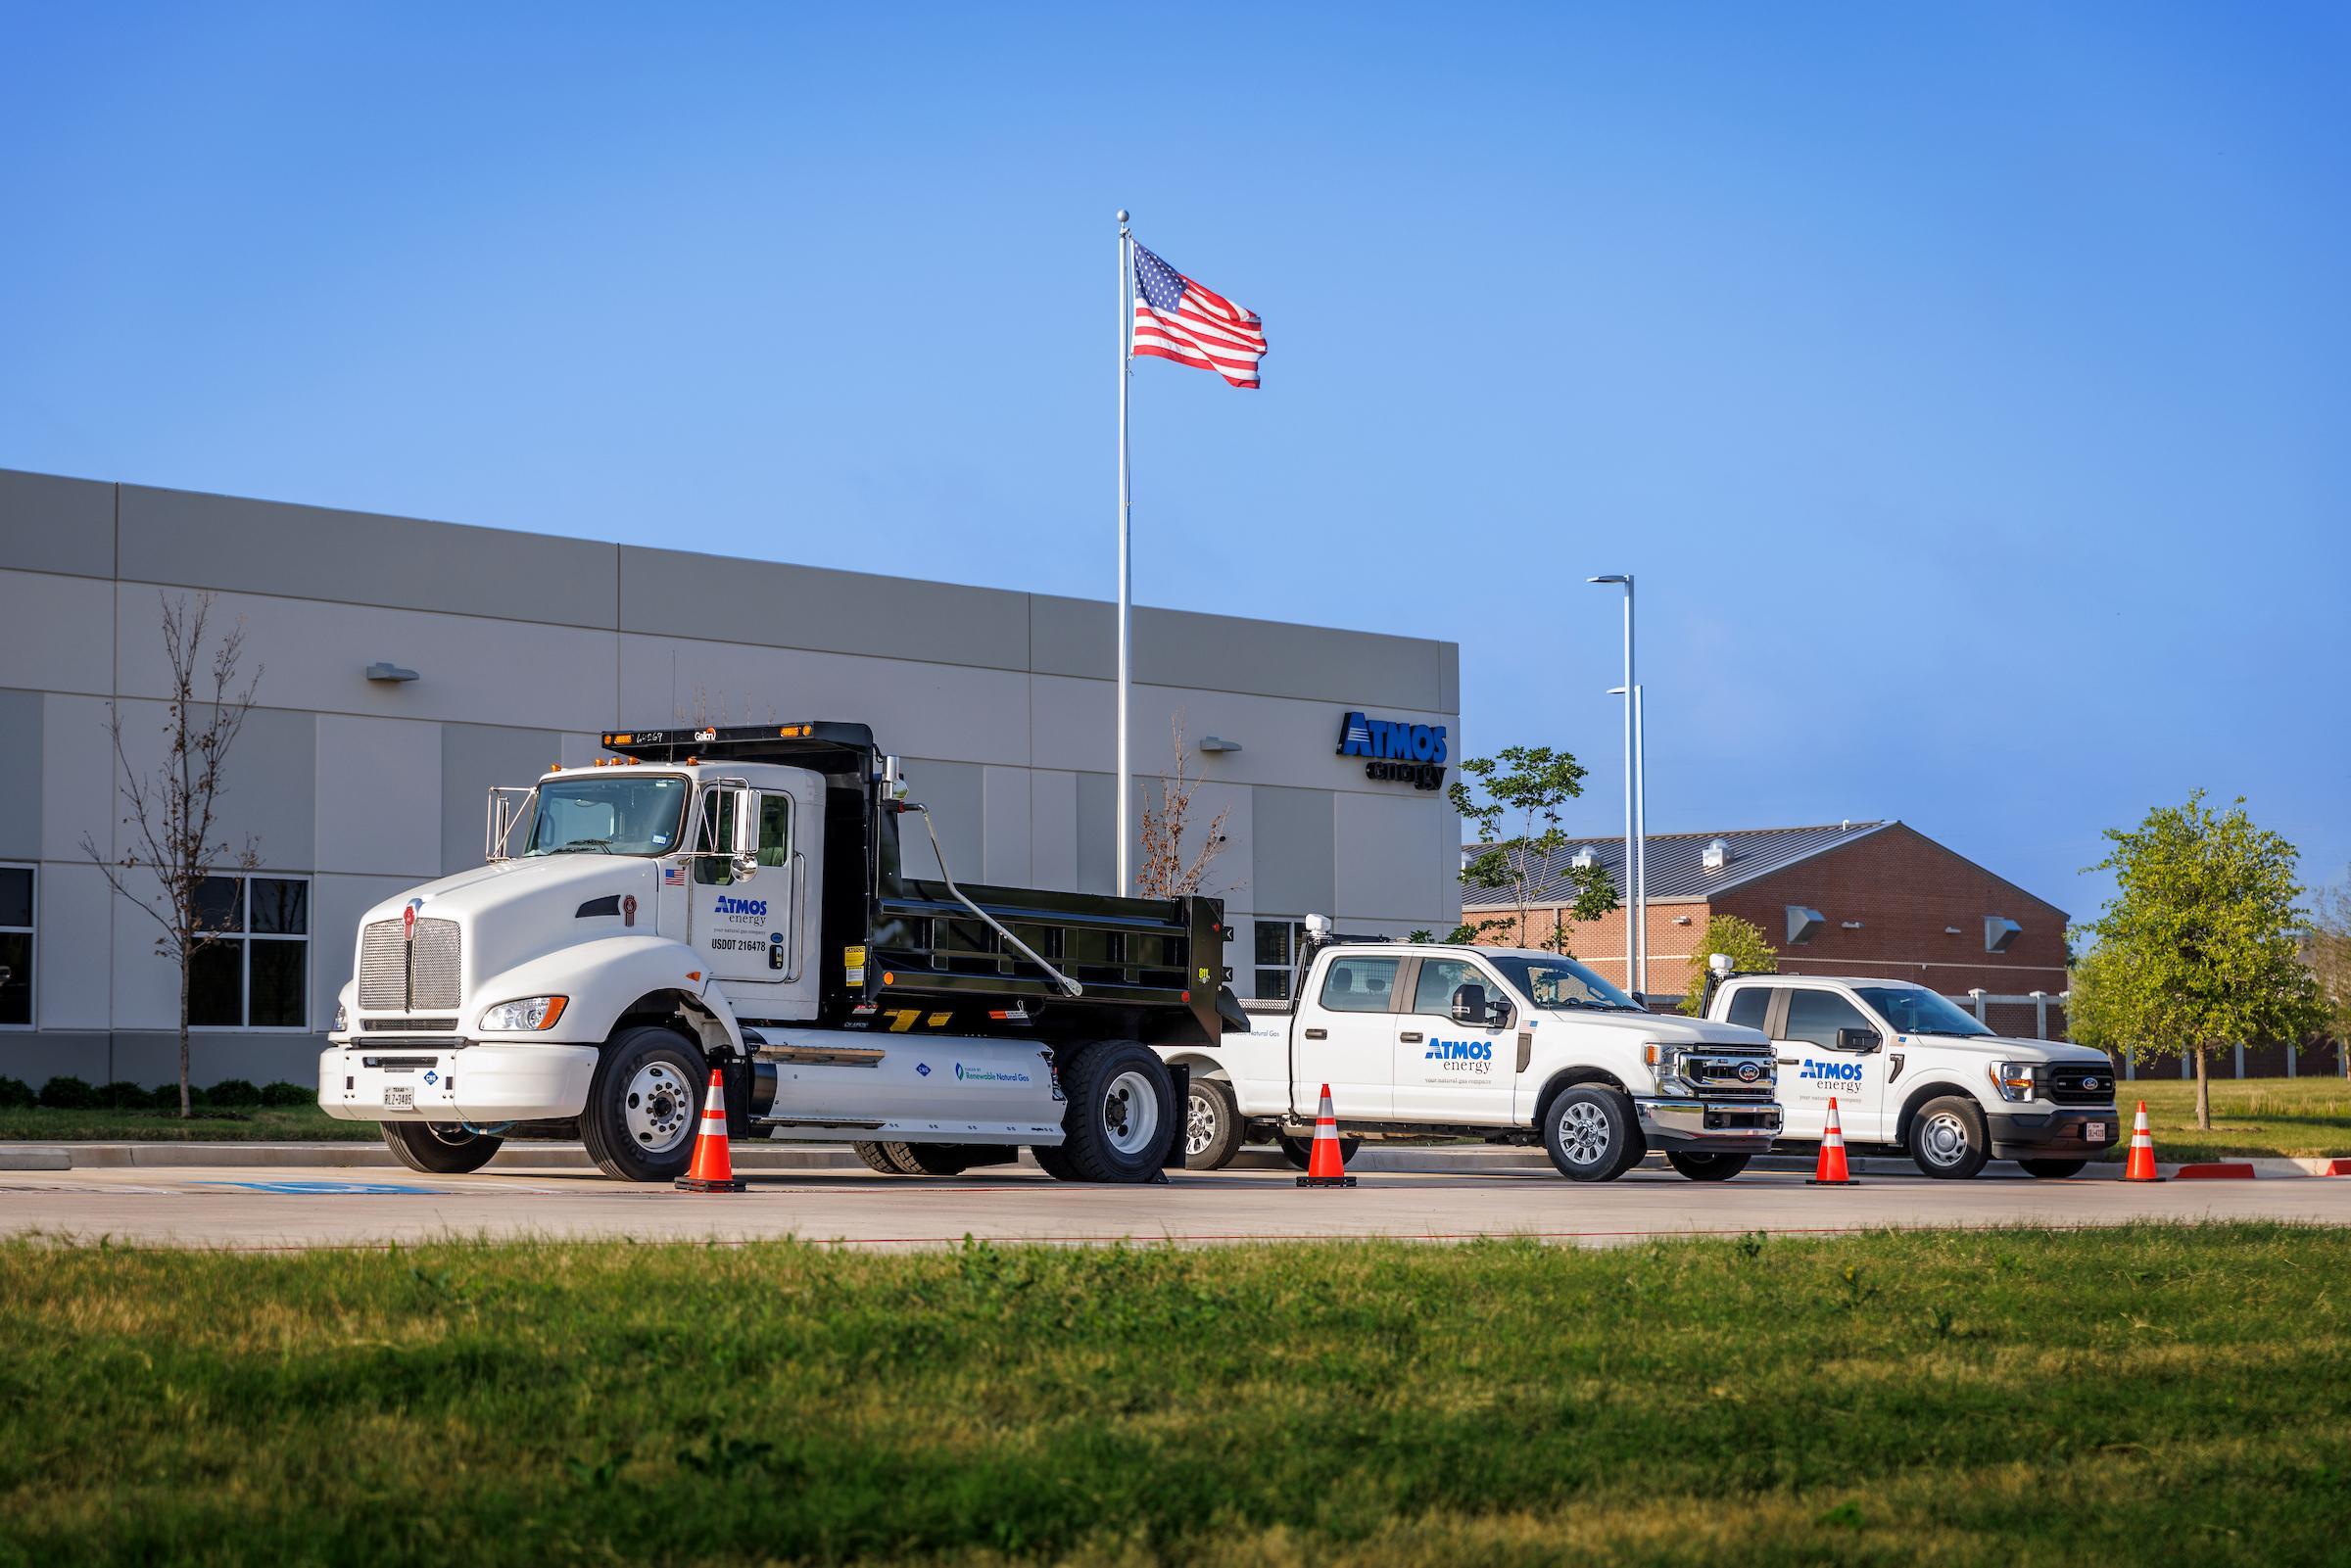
[[1874, 898]]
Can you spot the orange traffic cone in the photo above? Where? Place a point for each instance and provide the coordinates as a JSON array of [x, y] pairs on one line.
[[1325, 1166], [1831, 1171], [2140, 1167], [713, 1167]]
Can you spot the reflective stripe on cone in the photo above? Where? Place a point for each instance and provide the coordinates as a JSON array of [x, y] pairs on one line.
[[1829, 1171], [1325, 1163], [2140, 1167]]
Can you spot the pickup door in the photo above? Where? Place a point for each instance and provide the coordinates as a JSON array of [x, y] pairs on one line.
[[1815, 1064], [1447, 1072], [1346, 1037]]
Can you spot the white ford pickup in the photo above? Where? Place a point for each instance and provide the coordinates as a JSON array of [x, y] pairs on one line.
[[1909, 1070], [1510, 1044]]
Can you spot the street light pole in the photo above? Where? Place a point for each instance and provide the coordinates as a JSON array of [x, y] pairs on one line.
[[1636, 955]]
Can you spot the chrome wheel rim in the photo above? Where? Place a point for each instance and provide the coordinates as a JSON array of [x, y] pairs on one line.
[[1584, 1133], [658, 1108], [449, 1133], [1199, 1124], [1130, 1113], [1944, 1138]]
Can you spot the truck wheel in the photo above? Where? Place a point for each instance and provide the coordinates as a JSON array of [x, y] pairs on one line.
[[1212, 1126], [1707, 1167], [439, 1148], [1298, 1151], [1948, 1139], [1053, 1162], [876, 1159], [2052, 1169], [644, 1105], [928, 1159], [1117, 1127], [1589, 1133]]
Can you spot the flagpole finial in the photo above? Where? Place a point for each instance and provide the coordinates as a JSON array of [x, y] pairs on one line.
[[1121, 214]]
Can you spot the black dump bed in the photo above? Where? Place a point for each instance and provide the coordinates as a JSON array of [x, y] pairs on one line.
[[1148, 968]]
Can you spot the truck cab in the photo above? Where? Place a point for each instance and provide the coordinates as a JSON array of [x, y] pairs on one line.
[[734, 900], [1909, 1070], [1510, 1044]]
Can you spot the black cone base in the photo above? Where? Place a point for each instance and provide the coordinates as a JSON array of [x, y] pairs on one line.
[[697, 1184], [1325, 1181]]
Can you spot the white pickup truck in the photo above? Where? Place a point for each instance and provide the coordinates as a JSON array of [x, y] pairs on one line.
[[1509, 1044], [1911, 1070]]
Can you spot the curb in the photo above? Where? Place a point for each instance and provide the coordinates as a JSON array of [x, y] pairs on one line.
[[759, 1154]]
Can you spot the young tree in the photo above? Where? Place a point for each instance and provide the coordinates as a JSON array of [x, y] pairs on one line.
[[1524, 788], [2330, 955], [2200, 947], [1167, 868], [172, 811], [1744, 940]]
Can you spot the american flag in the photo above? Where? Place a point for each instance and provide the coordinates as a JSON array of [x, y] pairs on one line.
[[1175, 318]]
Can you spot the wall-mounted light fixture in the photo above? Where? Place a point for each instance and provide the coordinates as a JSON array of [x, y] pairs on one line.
[[385, 670], [1211, 742], [1851, 924]]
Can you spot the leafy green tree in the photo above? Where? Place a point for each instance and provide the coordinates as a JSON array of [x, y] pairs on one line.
[[2201, 945], [1516, 807], [1744, 940]]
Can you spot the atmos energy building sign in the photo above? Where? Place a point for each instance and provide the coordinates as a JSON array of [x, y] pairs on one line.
[[1398, 752]]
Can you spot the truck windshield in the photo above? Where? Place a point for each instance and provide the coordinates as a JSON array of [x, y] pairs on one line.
[[1560, 982], [608, 816], [1915, 1012]]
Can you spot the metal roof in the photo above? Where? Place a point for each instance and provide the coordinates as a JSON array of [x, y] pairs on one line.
[[1677, 862]]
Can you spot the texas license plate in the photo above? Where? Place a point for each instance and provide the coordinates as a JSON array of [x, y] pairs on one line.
[[2093, 1132], [399, 1097]]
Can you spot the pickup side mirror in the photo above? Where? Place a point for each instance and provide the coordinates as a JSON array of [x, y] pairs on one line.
[[744, 851], [1469, 1004], [1858, 1042]]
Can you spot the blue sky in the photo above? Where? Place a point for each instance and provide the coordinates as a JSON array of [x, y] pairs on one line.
[[1966, 387]]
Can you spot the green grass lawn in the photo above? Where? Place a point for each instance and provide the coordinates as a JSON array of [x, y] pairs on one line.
[[2141, 1395], [300, 1123], [2250, 1116]]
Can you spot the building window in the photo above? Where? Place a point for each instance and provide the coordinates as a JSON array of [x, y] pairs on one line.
[[256, 972], [1276, 955], [16, 947]]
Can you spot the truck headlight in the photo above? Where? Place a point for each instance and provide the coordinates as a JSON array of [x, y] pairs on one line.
[[341, 1018], [531, 1013], [1666, 1062], [2016, 1080]]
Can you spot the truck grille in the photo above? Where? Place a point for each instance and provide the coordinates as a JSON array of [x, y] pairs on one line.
[[408, 1025], [2082, 1083], [396, 973]]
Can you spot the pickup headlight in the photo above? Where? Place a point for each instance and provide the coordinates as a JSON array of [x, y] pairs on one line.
[[2017, 1080], [1666, 1062], [531, 1013]]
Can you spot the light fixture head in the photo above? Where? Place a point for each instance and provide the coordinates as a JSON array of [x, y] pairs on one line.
[[1211, 742], [385, 670], [1613, 576]]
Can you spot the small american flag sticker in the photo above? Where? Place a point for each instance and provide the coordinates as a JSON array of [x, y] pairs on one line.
[[671, 875]]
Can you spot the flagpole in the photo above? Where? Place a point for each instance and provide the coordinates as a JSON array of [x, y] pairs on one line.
[[1126, 886]]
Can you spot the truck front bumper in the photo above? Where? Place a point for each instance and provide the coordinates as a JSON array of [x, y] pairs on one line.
[[1732, 1126], [482, 1084], [2075, 1132]]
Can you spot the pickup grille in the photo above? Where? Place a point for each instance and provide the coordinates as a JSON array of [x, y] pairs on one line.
[[2082, 1083], [396, 973], [1720, 1075]]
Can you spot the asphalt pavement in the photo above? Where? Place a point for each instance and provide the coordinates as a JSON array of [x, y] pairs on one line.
[[267, 1208]]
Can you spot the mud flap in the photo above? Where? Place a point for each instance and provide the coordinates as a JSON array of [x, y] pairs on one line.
[[1174, 1112]]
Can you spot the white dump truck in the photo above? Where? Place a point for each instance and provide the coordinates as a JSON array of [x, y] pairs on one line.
[[1911, 1070], [734, 898], [1509, 1044]]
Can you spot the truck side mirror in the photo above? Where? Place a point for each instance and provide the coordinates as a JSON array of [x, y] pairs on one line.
[[744, 851], [1469, 1004], [1858, 1042]]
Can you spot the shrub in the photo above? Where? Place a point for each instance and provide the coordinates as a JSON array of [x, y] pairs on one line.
[[235, 1093], [284, 1093], [15, 1094], [123, 1095], [69, 1094], [167, 1096]]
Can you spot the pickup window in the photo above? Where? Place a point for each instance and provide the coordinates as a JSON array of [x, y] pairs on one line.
[[1361, 985], [1440, 978], [1750, 1004], [1815, 1017]]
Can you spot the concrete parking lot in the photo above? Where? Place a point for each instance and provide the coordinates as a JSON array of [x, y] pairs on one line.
[[264, 1208]]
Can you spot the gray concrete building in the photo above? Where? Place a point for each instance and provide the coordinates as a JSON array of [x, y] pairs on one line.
[[524, 647]]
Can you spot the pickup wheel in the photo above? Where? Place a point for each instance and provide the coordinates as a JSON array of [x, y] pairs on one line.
[[1948, 1138], [928, 1159], [2052, 1169], [1705, 1167], [1589, 1134], [1298, 1151], [1117, 1126], [878, 1159], [439, 1148], [1212, 1126], [644, 1105]]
